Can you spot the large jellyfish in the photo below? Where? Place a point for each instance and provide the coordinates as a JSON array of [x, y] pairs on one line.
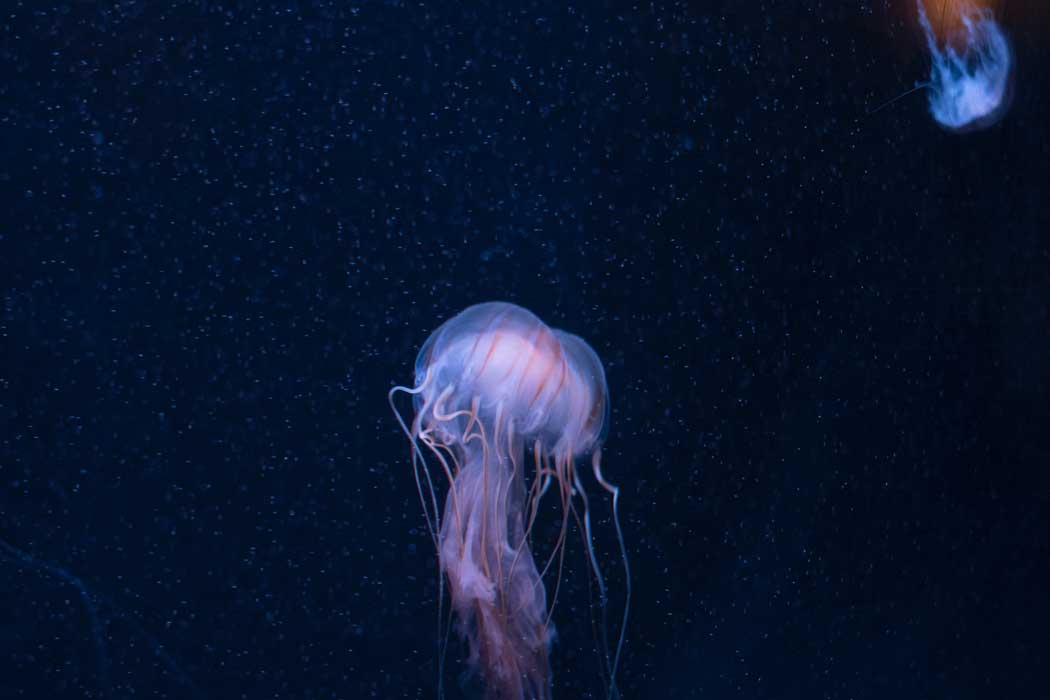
[[504, 407], [970, 74]]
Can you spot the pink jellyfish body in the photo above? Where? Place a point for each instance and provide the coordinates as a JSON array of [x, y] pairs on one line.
[[504, 406]]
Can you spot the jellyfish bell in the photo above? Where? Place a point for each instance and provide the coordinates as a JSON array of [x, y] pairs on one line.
[[504, 407], [502, 356], [971, 83]]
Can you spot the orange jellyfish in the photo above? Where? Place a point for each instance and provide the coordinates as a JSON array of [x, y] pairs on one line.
[[504, 408]]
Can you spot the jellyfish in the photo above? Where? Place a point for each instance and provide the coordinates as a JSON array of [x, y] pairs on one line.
[[505, 410], [970, 74], [102, 615]]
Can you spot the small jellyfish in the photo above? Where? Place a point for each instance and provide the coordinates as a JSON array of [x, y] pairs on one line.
[[970, 75], [504, 408]]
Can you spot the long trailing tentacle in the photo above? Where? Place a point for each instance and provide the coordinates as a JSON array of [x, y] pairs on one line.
[[601, 637], [584, 524], [436, 451], [565, 497], [596, 464], [565, 489], [540, 483], [433, 525], [588, 539]]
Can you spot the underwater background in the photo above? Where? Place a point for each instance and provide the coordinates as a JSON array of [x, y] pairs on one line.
[[229, 227]]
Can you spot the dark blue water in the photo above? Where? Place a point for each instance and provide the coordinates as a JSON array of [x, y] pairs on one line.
[[228, 228]]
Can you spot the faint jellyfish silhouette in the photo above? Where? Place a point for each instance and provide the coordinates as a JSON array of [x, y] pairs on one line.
[[504, 406], [101, 614], [971, 65]]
